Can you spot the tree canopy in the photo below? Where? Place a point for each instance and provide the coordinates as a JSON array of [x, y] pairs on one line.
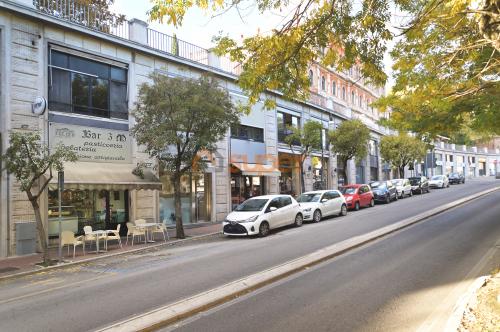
[[447, 70], [303, 141], [29, 160], [179, 118], [401, 150], [446, 60], [348, 141]]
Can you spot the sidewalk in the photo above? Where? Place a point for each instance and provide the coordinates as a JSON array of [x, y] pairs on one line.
[[19, 264]]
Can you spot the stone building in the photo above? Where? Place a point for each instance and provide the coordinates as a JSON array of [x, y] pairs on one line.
[[90, 77]]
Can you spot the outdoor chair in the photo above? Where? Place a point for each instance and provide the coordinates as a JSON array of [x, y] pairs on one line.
[[114, 235], [87, 230], [68, 238], [140, 221], [135, 231], [161, 228]]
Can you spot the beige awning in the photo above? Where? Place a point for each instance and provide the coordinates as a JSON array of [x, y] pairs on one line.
[[257, 169], [105, 176]]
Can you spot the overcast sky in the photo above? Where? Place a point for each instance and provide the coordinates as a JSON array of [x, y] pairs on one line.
[[198, 27]]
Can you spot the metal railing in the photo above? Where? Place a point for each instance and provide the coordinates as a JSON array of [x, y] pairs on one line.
[[166, 43], [88, 15]]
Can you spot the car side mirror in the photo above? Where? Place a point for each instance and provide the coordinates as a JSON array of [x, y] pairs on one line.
[[324, 200], [273, 208]]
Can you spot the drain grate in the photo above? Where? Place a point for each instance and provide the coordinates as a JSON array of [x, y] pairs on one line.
[[8, 269]]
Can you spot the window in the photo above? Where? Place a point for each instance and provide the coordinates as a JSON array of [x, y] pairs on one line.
[[334, 194], [334, 88], [343, 93], [323, 83], [360, 101], [311, 77], [285, 201], [352, 97], [372, 147], [84, 86], [276, 202], [248, 133], [285, 121]]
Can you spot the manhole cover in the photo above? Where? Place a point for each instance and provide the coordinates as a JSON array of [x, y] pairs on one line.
[[8, 269]]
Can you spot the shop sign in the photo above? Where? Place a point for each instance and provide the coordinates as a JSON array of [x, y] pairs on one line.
[[92, 144]]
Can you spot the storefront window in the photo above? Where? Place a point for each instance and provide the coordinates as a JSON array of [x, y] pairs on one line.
[[285, 121], [100, 209], [319, 167], [243, 187], [289, 181], [195, 198]]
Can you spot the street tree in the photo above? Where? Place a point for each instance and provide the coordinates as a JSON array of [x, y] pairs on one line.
[[302, 141], [446, 59], [348, 141], [177, 119], [29, 160], [402, 150]]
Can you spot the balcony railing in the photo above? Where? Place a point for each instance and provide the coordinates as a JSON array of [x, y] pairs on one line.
[[87, 15]]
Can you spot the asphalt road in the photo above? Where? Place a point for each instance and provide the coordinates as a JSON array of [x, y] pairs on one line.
[[409, 281], [97, 294]]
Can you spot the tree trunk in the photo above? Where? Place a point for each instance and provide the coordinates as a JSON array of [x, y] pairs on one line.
[[401, 171], [179, 228], [302, 181], [344, 171], [41, 230]]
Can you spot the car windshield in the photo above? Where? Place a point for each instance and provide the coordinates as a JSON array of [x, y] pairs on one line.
[[307, 198], [378, 185], [255, 204], [397, 182], [415, 181], [454, 175], [348, 190], [437, 177]]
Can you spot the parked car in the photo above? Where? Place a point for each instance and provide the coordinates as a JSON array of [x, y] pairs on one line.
[[439, 181], [321, 203], [419, 184], [260, 214], [357, 195], [456, 178], [384, 191], [403, 187]]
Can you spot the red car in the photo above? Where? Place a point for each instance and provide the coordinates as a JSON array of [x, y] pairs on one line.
[[357, 195]]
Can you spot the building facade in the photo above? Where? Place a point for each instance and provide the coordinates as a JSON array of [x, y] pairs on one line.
[[90, 78]]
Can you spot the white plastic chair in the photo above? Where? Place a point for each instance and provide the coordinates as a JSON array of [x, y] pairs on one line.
[[114, 235], [161, 228], [68, 238], [135, 231], [89, 237]]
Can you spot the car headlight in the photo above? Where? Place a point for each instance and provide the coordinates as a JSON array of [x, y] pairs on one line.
[[307, 210], [348, 199], [251, 219]]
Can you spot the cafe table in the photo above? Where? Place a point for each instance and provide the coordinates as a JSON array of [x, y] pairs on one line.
[[147, 227], [99, 234]]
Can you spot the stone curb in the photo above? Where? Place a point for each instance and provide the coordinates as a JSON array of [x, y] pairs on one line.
[[96, 258], [184, 308], [456, 317]]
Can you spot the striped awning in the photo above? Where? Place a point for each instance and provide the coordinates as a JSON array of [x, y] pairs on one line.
[[105, 176]]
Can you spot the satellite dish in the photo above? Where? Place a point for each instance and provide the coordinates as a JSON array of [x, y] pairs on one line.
[[39, 106]]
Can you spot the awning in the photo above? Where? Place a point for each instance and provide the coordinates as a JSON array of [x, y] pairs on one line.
[[105, 176], [257, 169]]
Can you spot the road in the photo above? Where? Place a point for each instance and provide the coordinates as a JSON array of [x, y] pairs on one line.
[[97, 294], [409, 281]]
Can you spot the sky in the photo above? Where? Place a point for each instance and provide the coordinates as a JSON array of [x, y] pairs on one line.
[[199, 27]]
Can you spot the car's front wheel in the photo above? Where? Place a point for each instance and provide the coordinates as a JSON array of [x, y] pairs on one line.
[[387, 199], [411, 193], [343, 210], [396, 197], [264, 229], [317, 216], [372, 202], [298, 220], [356, 206]]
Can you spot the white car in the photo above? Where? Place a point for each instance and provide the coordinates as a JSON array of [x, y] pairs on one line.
[[260, 214], [439, 181], [322, 203], [403, 187]]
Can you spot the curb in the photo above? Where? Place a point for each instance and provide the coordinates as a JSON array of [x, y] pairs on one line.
[[184, 308], [456, 317], [96, 258]]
